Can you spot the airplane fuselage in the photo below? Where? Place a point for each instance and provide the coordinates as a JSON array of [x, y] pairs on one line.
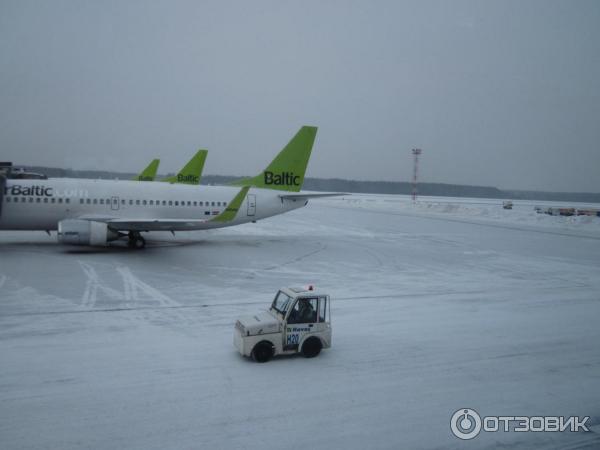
[[42, 204]]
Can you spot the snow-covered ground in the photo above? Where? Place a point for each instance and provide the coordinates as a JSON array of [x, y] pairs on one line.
[[446, 304]]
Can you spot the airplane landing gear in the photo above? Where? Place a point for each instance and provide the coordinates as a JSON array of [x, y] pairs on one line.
[[136, 240]]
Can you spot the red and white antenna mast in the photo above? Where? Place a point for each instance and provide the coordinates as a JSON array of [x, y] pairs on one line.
[[416, 152]]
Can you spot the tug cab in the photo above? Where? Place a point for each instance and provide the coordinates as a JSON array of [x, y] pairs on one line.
[[298, 321]]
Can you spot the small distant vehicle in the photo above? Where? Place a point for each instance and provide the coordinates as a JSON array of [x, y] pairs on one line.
[[508, 204], [299, 321], [19, 173]]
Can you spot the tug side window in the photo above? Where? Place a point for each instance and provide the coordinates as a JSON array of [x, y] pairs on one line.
[[322, 308], [304, 311]]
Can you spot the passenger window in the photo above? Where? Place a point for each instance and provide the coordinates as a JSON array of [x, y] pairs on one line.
[[164, 203], [37, 200], [67, 200], [88, 200], [30, 199], [95, 201], [122, 201], [304, 311], [212, 203], [53, 200], [201, 203], [81, 201], [102, 201], [176, 203], [195, 203], [189, 203], [7, 199], [130, 202], [144, 202], [45, 200]]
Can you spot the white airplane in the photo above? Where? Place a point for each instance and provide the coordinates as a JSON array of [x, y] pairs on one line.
[[95, 212]]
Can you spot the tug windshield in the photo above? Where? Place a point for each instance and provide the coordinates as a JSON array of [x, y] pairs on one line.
[[281, 303]]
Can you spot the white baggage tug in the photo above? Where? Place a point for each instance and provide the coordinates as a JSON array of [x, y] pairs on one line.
[[298, 321]]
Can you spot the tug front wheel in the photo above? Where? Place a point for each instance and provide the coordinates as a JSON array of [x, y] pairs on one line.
[[262, 352], [311, 347]]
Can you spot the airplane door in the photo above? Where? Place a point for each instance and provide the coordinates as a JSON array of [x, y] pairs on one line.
[[251, 204], [114, 203]]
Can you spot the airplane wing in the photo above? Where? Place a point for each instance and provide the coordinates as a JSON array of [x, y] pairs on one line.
[[123, 224], [307, 196], [135, 224], [148, 224]]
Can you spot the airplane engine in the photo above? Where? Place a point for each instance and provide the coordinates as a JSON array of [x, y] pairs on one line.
[[85, 232]]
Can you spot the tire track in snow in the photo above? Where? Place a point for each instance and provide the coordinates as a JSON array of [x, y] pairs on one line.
[[93, 285], [473, 222], [134, 289], [397, 296], [298, 258]]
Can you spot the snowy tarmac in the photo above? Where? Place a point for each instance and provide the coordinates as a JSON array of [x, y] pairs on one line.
[[438, 306]]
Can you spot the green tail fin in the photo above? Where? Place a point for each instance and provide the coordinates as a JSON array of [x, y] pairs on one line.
[[192, 171], [149, 172], [234, 206], [286, 171]]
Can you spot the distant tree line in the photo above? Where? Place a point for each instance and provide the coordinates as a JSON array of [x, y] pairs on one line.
[[356, 186]]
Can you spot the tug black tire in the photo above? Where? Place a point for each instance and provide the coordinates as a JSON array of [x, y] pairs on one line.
[[262, 352], [311, 347]]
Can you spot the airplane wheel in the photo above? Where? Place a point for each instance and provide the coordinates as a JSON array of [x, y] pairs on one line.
[[136, 241], [140, 242]]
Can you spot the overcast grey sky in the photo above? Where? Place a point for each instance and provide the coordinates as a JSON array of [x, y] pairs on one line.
[[502, 93]]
